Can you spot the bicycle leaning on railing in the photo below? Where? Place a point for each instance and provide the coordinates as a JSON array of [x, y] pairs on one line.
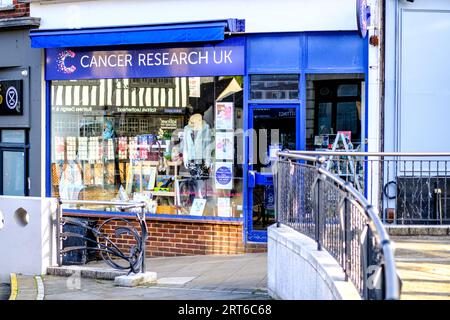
[[131, 258], [312, 200]]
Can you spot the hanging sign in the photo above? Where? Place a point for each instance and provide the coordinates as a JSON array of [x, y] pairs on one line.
[[11, 103], [224, 58], [362, 17]]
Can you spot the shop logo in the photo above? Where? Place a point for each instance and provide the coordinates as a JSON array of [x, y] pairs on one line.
[[61, 61], [12, 98]]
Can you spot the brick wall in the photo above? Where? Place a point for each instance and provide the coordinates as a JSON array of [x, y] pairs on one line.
[[185, 237], [20, 10]]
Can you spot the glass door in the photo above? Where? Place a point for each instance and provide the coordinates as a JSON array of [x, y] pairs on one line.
[[272, 128]]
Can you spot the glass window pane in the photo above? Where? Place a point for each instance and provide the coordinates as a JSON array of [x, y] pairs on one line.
[[347, 117], [13, 173], [274, 87], [13, 136], [324, 118], [347, 90], [173, 138]]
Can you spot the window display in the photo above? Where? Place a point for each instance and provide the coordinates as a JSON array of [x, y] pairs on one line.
[[169, 141]]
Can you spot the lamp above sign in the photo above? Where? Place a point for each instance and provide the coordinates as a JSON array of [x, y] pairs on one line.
[[362, 17]]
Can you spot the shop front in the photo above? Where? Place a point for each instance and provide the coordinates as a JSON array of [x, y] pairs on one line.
[[188, 117]]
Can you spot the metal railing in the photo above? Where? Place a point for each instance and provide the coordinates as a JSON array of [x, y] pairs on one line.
[[312, 200], [407, 188], [115, 255]]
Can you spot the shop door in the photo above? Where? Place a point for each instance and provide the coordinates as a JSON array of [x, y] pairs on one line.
[[271, 128]]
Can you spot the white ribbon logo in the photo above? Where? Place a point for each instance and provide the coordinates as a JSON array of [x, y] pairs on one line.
[[11, 98]]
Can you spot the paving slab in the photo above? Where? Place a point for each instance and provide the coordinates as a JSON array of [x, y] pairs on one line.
[[211, 277], [423, 264]]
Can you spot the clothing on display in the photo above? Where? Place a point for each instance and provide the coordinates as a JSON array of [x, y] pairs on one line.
[[197, 141]]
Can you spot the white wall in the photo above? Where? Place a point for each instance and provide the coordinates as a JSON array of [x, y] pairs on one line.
[[28, 249], [417, 75], [297, 271], [259, 15]]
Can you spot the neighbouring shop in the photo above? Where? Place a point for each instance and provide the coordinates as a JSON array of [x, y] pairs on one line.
[[20, 107], [191, 124]]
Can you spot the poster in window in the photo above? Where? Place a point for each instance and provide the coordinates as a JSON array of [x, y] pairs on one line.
[[198, 206], [224, 145], [224, 115], [224, 207], [194, 87], [224, 175]]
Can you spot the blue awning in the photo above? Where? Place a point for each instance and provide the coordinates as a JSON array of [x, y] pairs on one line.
[[204, 31]]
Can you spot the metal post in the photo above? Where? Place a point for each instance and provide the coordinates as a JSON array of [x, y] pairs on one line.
[[144, 238], [318, 215], [365, 260], [58, 232], [347, 238]]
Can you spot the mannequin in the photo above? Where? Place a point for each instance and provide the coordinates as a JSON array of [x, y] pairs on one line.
[[197, 151], [197, 142]]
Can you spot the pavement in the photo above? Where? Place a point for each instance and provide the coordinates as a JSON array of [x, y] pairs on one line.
[[423, 264], [209, 277]]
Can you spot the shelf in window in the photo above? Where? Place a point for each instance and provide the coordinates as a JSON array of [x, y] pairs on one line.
[[163, 193]]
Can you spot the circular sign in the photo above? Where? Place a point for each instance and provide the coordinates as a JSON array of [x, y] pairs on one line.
[[223, 175], [12, 98], [362, 17]]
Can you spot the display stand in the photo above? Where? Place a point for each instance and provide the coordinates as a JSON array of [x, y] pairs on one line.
[[175, 194]]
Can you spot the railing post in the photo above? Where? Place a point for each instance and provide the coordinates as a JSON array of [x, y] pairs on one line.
[[275, 171], [58, 232], [347, 237], [144, 238], [318, 213]]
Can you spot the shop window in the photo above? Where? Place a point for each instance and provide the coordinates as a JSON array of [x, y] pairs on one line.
[[13, 162], [172, 142], [274, 87], [334, 106]]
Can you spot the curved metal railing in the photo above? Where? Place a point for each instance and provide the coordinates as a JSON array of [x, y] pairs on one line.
[[319, 204]]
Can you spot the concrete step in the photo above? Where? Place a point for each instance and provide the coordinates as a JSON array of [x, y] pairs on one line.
[[418, 230], [26, 287], [85, 271]]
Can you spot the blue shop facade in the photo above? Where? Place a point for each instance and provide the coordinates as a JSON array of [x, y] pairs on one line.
[[189, 116]]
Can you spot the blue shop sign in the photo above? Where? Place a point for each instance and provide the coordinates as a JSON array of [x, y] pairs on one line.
[[224, 58]]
